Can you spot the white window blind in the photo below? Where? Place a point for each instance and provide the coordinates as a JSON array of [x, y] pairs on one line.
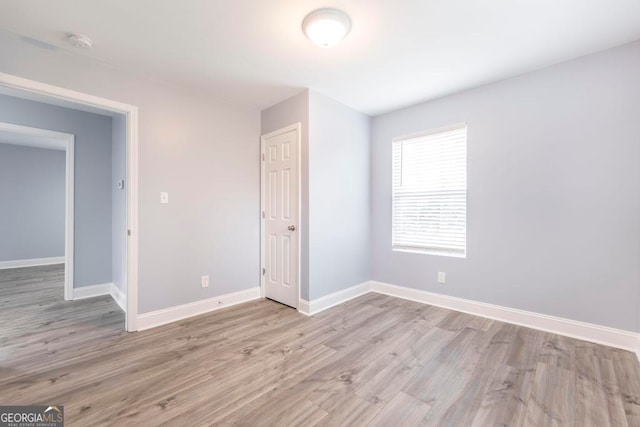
[[430, 192]]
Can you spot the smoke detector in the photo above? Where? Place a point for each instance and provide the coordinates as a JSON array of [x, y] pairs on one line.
[[80, 40]]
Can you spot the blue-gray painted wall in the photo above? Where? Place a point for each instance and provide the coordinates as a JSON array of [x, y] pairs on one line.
[[553, 220], [339, 159], [32, 202], [93, 236], [119, 201], [334, 182]]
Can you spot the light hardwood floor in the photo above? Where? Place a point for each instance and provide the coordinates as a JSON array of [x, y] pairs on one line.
[[375, 360]]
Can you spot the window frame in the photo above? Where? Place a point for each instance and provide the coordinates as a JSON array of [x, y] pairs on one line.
[[432, 250]]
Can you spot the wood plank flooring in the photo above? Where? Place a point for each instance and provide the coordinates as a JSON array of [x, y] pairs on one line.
[[375, 360]]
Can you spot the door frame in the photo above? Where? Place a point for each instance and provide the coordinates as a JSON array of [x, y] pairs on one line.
[[68, 140], [298, 128], [131, 114]]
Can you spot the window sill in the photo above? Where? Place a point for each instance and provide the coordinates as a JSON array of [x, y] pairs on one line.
[[430, 252]]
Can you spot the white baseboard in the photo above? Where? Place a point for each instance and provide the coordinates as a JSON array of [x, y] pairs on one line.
[[92, 291], [315, 306], [119, 296], [102, 289], [173, 314], [572, 328], [31, 262], [612, 337]]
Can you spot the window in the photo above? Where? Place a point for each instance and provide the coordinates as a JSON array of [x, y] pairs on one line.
[[430, 192]]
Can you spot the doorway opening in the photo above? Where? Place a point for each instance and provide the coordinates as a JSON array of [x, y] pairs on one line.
[[43, 139], [126, 117]]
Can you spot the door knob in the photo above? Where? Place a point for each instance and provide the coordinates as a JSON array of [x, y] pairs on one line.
[[291, 228]]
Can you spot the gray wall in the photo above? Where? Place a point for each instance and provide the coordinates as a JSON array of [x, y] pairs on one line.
[[118, 201], [339, 159], [32, 211], [335, 203], [285, 113], [92, 213], [553, 192], [204, 152]]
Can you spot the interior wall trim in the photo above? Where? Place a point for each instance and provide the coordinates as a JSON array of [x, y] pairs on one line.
[[598, 334], [179, 312], [35, 262]]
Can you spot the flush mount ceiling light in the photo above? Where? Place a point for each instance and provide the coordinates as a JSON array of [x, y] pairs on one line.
[[326, 27], [80, 40]]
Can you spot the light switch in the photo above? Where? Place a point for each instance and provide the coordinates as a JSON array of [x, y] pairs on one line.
[[164, 197]]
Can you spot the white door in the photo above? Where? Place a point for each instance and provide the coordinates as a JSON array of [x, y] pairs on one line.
[[280, 215]]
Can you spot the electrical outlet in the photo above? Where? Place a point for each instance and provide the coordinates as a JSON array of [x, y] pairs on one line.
[[442, 277], [205, 281], [164, 197]]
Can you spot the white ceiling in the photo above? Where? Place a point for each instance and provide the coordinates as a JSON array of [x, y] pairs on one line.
[[399, 52]]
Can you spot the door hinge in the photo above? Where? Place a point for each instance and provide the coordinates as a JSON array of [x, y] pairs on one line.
[[262, 214], [263, 157], [129, 233], [264, 271]]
